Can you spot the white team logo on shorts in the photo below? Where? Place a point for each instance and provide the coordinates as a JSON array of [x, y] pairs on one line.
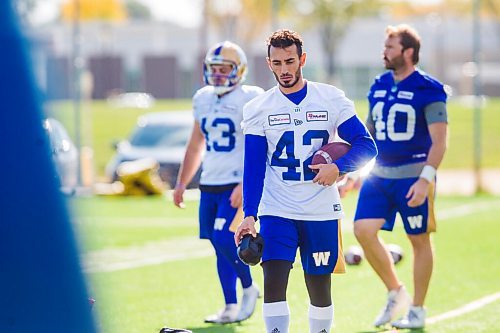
[[219, 223], [415, 221], [321, 258]]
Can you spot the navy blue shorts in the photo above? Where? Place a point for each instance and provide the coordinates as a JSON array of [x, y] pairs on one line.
[[382, 198], [319, 243], [217, 215]]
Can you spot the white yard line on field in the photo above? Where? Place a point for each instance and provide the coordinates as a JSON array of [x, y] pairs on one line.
[[467, 209], [469, 307], [155, 253]]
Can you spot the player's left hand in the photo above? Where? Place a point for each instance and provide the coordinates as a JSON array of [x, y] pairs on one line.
[[417, 193], [327, 174], [236, 196]]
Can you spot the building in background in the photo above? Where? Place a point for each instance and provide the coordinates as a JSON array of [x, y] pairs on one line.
[[164, 59]]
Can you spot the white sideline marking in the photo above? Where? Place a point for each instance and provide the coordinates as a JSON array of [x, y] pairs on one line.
[[472, 306]]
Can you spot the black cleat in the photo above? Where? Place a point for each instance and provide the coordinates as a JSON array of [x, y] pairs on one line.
[[174, 330]]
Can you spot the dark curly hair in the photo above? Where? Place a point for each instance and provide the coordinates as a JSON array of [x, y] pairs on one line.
[[284, 38]]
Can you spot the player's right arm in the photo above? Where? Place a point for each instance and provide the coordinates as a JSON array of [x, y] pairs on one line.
[[254, 167], [190, 164], [254, 171]]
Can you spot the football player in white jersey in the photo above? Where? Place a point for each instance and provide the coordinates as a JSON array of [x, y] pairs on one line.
[[217, 134], [296, 207]]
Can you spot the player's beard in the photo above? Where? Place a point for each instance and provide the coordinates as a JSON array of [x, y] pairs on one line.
[[290, 84], [394, 64]]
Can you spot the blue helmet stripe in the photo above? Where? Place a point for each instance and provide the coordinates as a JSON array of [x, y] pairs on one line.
[[218, 50]]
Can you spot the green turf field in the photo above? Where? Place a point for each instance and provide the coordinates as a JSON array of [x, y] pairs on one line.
[[102, 124], [147, 269]]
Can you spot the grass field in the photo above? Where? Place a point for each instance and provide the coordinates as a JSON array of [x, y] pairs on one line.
[[103, 124], [147, 269]]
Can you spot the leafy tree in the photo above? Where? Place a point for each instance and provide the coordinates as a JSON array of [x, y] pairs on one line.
[[333, 18], [244, 20], [105, 10], [24, 9], [137, 11]]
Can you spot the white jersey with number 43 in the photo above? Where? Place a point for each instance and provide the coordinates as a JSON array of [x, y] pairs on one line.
[[219, 119], [294, 133]]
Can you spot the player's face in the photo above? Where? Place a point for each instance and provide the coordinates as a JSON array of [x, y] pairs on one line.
[[286, 65], [393, 54], [220, 73]]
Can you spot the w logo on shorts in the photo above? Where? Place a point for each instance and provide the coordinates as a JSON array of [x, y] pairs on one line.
[[219, 223], [415, 221], [321, 258]]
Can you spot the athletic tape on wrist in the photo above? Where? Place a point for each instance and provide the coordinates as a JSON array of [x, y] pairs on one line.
[[428, 173]]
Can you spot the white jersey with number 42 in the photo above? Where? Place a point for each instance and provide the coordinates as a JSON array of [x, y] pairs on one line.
[[294, 133]]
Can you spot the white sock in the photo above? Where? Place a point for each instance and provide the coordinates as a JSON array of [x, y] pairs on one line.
[[320, 319], [249, 288], [276, 316]]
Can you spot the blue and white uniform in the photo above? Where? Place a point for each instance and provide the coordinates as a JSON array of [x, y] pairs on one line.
[[219, 119], [222, 171], [400, 114], [282, 133]]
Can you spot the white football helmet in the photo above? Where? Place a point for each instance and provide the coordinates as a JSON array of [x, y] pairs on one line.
[[225, 53]]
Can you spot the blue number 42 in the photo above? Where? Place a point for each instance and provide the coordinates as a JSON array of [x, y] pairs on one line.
[[286, 144]]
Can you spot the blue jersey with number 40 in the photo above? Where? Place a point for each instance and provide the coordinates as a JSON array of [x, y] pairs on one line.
[[397, 115]]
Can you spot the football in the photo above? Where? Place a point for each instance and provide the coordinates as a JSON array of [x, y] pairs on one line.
[[396, 252], [330, 152], [353, 255]]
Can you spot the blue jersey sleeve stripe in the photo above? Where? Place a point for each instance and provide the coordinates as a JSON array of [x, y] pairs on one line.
[[363, 148], [254, 172]]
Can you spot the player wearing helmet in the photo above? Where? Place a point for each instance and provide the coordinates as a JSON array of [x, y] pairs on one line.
[[216, 131]]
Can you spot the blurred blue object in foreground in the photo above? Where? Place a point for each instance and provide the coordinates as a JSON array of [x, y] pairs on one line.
[[41, 284]]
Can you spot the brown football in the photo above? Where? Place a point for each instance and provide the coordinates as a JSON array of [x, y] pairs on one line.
[[330, 152]]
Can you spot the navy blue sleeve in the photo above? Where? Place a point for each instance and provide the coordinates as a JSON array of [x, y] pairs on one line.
[[363, 147], [254, 172]]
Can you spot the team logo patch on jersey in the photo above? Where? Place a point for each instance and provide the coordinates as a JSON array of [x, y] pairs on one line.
[[337, 208], [405, 94], [317, 116], [279, 119], [297, 122], [379, 93], [229, 108]]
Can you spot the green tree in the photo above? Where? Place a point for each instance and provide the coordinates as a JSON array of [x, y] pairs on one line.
[[137, 11], [24, 9], [244, 20], [333, 18]]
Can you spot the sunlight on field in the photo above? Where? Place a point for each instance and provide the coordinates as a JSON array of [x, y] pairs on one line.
[[148, 269]]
